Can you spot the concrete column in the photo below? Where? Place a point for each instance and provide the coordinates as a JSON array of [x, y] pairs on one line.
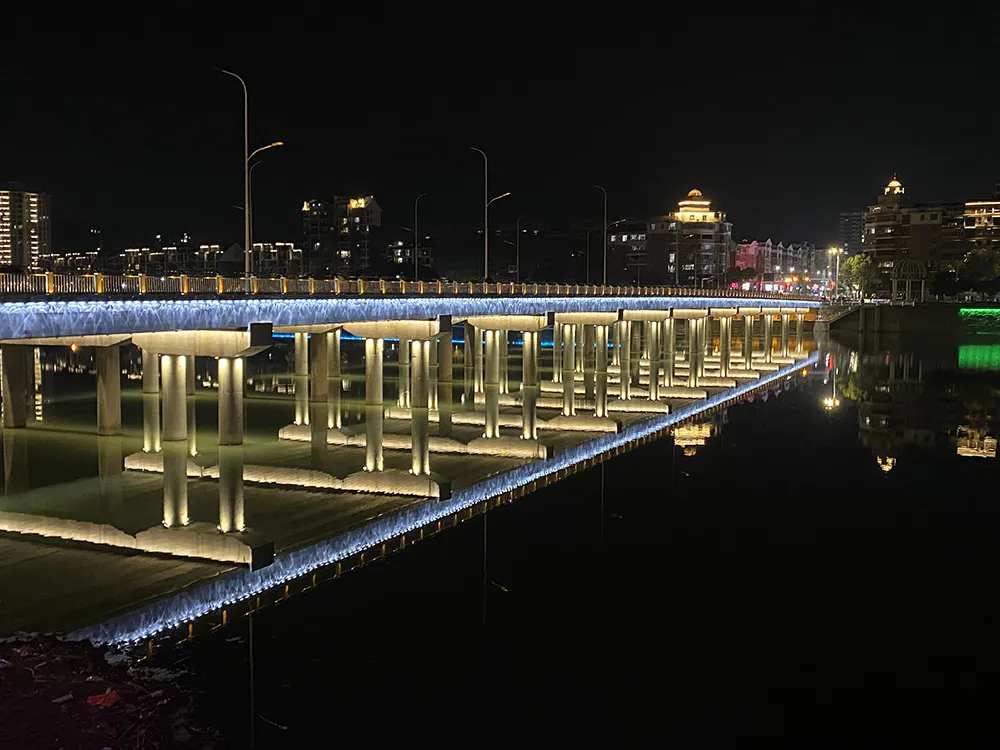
[[785, 318], [636, 349], [319, 448], [420, 352], [16, 477], [588, 361], [444, 387], [189, 392], [694, 353], [150, 372], [799, 331], [654, 360], [231, 380], [616, 342], [492, 384], [748, 341], [403, 366], [175, 481], [529, 385], [768, 337], [477, 354], [725, 345], [319, 368], [625, 389], [645, 339], [231, 508], [109, 474], [151, 423], [334, 416], [467, 363], [601, 376], [432, 376], [703, 331], [569, 368], [504, 374], [579, 336], [109, 390], [173, 376], [669, 354], [301, 354], [373, 405], [557, 353], [15, 384]]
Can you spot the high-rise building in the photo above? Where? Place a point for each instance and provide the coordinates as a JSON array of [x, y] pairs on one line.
[[627, 259], [338, 234], [25, 226], [981, 224], [851, 228], [689, 246]]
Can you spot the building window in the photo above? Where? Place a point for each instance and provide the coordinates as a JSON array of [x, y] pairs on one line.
[[613, 237]]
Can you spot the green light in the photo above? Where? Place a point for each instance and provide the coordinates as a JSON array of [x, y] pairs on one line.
[[966, 312], [979, 357]]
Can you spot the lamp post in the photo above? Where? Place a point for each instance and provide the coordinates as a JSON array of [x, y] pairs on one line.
[[486, 256], [246, 176], [486, 211], [837, 252], [249, 237], [604, 278], [416, 239]]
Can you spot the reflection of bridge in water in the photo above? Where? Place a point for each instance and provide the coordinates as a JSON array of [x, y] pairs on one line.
[[619, 369]]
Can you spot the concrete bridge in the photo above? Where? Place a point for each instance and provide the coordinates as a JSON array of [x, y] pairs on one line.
[[618, 360]]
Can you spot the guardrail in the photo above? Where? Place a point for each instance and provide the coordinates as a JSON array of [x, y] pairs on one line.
[[41, 284]]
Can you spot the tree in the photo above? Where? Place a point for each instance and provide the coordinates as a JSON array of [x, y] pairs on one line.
[[737, 275], [858, 272], [979, 266]]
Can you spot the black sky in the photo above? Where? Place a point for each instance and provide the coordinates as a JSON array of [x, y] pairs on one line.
[[784, 118]]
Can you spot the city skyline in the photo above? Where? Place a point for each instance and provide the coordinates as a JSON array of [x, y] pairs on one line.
[[153, 148]]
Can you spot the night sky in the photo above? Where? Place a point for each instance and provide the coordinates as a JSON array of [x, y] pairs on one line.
[[783, 120]]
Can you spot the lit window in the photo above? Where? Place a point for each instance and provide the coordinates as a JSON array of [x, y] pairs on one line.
[[612, 238]]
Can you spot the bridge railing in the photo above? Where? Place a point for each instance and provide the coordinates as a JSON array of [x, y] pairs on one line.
[[143, 284]]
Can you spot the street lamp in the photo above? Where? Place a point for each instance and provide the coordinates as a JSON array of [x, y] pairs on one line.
[[486, 211], [249, 237], [486, 256], [604, 279], [836, 251], [246, 176], [416, 239]]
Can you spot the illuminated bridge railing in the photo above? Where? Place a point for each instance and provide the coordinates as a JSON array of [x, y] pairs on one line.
[[42, 284]]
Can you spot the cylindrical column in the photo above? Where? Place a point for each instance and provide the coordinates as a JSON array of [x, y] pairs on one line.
[[669, 355], [557, 353], [529, 386], [645, 339], [748, 342], [432, 376], [653, 332], [15, 385], [419, 441], [492, 384], [151, 423], [301, 354], [702, 330], [568, 369], [694, 354], [319, 446], [616, 343], [768, 337], [467, 379], [504, 375], [579, 336], [319, 368], [189, 391], [445, 377], [588, 362], [173, 378], [785, 318], [373, 405], [625, 361], [109, 390], [636, 349], [175, 489], [150, 372], [601, 374], [231, 400], [477, 355], [403, 374], [799, 331], [334, 416], [725, 345], [231, 514]]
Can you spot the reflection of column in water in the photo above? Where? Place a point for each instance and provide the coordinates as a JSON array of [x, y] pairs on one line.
[[192, 425], [15, 461], [373, 404], [109, 472], [334, 418], [420, 463], [14, 384], [36, 362], [403, 390], [318, 449], [625, 361], [300, 385], [529, 385], [492, 384], [175, 489], [444, 386], [231, 381]]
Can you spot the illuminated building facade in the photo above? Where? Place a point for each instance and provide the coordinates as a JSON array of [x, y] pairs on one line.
[[851, 230], [690, 246], [981, 224], [25, 227], [628, 259], [338, 234]]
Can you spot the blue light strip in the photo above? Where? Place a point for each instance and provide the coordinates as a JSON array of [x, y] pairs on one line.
[[49, 319], [172, 611]]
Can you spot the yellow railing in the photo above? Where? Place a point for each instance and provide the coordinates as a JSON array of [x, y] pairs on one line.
[[142, 284]]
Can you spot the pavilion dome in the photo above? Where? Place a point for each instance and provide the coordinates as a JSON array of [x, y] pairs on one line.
[[696, 193]]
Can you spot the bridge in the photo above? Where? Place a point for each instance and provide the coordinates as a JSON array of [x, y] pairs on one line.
[[619, 365]]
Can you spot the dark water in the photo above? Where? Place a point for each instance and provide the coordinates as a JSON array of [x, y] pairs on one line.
[[779, 582]]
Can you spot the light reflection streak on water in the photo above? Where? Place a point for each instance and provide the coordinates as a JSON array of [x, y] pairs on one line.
[[189, 605]]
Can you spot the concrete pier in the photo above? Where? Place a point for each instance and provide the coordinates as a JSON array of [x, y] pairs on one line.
[[491, 385], [319, 368], [109, 390], [529, 386], [15, 385], [445, 384], [420, 463], [373, 405], [625, 360], [601, 371], [654, 359], [189, 392], [568, 369], [173, 378], [403, 375], [669, 355]]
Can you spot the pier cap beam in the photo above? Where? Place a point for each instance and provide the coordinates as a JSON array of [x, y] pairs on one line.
[[254, 340], [691, 313], [532, 323], [589, 318], [647, 315], [414, 330], [723, 312], [322, 328], [749, 310], [80, 341]]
